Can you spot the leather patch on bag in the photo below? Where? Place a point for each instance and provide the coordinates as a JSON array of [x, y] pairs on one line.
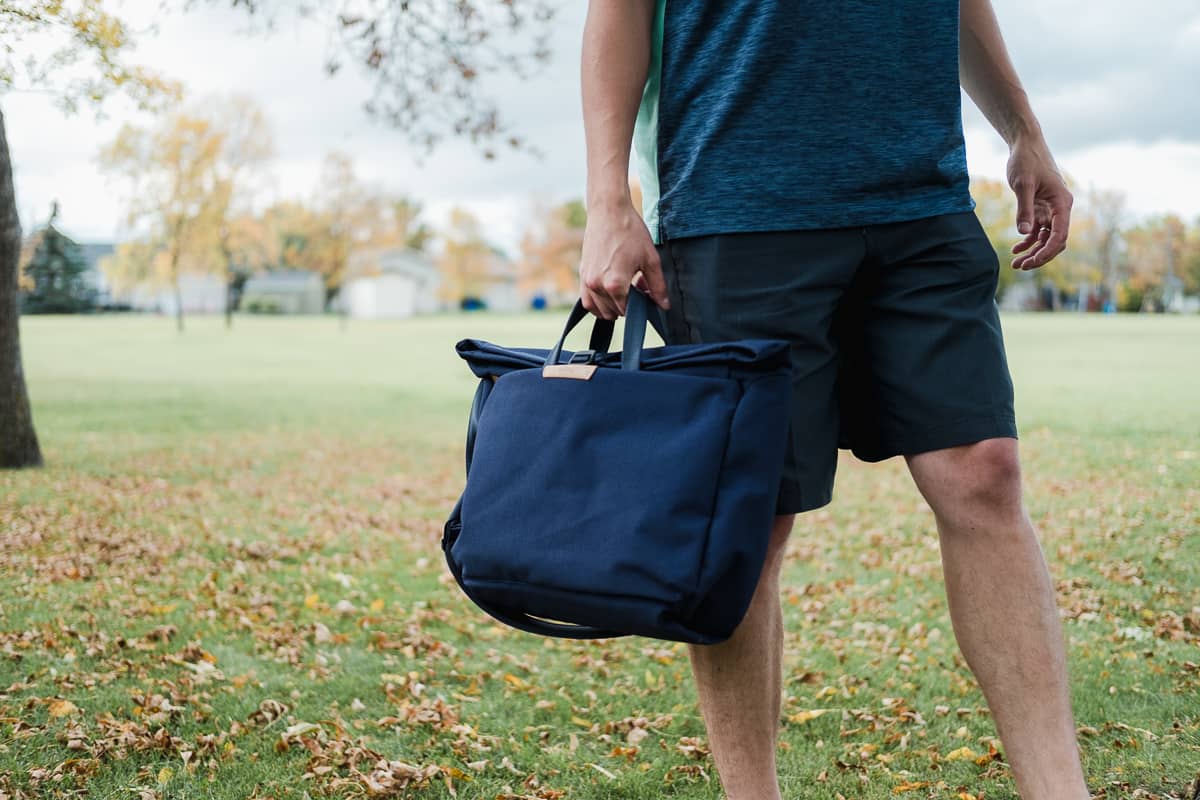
[[579, 372]]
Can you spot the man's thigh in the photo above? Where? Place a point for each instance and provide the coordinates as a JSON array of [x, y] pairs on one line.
[[774, 285], [923, 365]]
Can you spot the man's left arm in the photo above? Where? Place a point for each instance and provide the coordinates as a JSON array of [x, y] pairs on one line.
[[989, 78]]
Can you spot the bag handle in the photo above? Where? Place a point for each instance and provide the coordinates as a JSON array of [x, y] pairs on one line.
[[640, 309], [637, 313], [601, 338]]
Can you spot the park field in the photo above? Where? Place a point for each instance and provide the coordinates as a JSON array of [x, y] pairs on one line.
[[226, 583]]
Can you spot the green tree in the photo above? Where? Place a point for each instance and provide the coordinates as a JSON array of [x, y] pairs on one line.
[[57, 275]]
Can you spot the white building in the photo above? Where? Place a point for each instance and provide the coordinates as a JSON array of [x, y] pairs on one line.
[[284, 292], [95, 252], [501, 293], [391, 284], [201, 294]]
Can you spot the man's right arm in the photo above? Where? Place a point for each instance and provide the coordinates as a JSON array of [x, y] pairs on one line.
[[616, 243]]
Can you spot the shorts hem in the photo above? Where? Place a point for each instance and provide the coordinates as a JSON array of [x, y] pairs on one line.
[[957, 434], [797, 501]]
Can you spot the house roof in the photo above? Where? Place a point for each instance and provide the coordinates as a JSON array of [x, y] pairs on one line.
[[406, 262], [284, 279]]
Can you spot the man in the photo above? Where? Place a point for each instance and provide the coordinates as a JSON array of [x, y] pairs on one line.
[[805, 179]]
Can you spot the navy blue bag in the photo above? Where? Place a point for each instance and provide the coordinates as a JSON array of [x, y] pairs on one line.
[[620, 493]]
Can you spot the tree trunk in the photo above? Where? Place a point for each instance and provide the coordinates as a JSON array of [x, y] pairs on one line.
[[229, 283], [176, 288], [18, 439], [178, 306]]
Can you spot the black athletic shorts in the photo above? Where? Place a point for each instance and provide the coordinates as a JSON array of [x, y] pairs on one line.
[[895, 336]]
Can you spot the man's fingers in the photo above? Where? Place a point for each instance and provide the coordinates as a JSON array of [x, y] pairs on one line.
[[1053, 246], [595, 301], [654, 284], [639, 281], [1055, 227], [616, 292], [1053, 242], [609, 308], [1026, 243], [1060, 225], [1040, 236], [1025, 187]]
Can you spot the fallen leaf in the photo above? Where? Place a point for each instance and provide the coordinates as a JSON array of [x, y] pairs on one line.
[[961, 754], [62, 708]]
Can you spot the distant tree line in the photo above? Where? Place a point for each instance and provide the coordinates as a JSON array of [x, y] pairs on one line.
[[193, 187], [1112, 261]]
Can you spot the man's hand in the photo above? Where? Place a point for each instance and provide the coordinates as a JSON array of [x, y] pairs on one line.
[[987, 74], [1043, 205], [616, 246]]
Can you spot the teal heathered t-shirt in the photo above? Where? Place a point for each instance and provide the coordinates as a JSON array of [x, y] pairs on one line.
[[763, 115]]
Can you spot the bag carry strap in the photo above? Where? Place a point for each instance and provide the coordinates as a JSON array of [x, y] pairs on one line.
[[481, 395], [639, 309]]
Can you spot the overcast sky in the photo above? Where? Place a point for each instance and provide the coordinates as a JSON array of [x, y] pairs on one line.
[[1113, 82]]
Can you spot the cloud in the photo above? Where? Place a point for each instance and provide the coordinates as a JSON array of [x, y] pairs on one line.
[[1105, 70]]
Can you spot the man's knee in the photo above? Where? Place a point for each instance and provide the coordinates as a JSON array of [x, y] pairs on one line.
[[981, 478]]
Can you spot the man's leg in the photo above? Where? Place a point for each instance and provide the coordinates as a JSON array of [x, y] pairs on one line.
[[1003, 610], [740, 685], [792, 293]]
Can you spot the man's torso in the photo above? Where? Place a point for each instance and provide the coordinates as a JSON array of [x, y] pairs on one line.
[[793, 114]]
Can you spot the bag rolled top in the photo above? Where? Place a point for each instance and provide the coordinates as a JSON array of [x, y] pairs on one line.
[[620, 493]]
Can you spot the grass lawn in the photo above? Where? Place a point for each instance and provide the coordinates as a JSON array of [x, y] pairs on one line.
[[227, 584]]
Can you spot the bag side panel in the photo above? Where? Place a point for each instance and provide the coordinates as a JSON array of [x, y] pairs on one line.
[[745, 508]]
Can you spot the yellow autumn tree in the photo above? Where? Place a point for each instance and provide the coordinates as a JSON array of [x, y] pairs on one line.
[[170, 172], [1191, 258], [996, 208], [1158, 257], [467, 259], [344, 216], [191, 182], [247, 146], [550, 252]]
